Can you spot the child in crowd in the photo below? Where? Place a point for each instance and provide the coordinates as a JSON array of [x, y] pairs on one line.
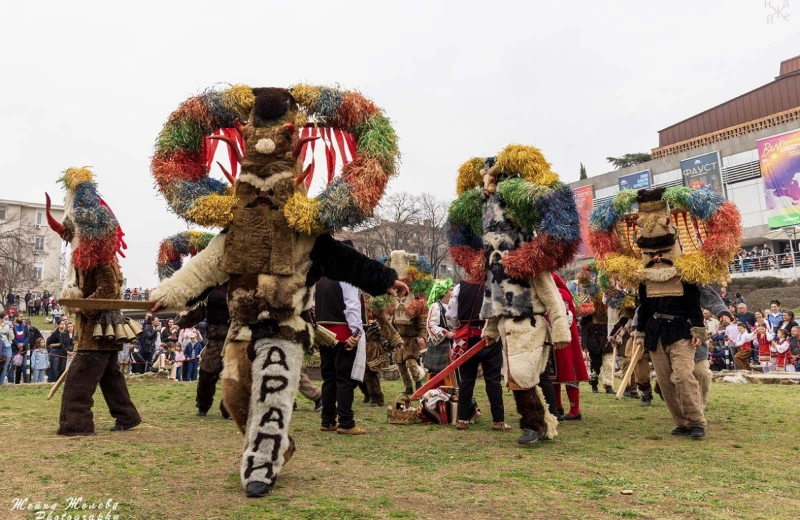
[[39, 361], [161, 358], [178, 357], [764, 343], [745, 346], [781, 349]]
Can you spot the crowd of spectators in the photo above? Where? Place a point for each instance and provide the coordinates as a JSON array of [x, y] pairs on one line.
[[26, 356], [762, 259], [769, 338], [163, 347], [136, 294]]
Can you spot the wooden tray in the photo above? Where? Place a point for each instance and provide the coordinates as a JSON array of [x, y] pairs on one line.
[[105, 305]]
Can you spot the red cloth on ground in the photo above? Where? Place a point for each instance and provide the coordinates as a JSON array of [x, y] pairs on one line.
[[570, 366]]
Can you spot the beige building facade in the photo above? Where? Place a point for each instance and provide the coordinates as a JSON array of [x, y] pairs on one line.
[[46, 260]]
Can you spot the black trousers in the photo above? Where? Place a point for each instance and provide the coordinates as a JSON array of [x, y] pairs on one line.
[[491, 358], [337, 386], [595, 364]]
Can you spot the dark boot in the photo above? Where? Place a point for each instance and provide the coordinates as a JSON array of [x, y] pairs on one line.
[[206, 388], [531, 411], [608, 388], [529, 438], [647, 398], [409, 391], [593, 382], [80, 385], [224, 411], [418, 384], [115, 392]]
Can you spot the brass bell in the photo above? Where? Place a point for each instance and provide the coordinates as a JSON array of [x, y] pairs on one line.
[[120, 336], [136, 326], [97, 333], [129, 334], [110, 332]]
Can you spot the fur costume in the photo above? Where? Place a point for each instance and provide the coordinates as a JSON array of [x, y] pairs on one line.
[[378, 333], [669, 318], [271, 254], [516, 223], [410, 313], [95, 237]]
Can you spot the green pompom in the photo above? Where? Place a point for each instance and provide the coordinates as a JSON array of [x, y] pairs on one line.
[[467, 211], [519, 196]]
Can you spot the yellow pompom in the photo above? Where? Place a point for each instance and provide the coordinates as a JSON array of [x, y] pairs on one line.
[[626, 270], [700, 268], [306, 95], [212, 210], [240, 99], [74, 176], [302, 214], [528, 162], [469, 175]]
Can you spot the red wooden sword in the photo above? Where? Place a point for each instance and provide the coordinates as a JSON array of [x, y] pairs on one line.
[[449, 369]]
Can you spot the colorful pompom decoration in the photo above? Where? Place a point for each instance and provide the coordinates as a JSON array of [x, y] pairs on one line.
[[536, 202], [710, 234], [173, 249], [100, 237], [183, 156]]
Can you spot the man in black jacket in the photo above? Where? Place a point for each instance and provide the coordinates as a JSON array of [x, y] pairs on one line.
[[58, 344], [670, 321], [148, 340], [214, 312]]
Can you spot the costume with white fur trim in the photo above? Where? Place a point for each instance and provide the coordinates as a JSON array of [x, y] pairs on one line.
[[275, 246], [528, 227]]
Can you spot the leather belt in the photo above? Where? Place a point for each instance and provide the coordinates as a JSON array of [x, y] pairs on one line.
[[662, 316]]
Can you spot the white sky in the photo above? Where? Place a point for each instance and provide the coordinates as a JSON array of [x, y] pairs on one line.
[[91, 83]]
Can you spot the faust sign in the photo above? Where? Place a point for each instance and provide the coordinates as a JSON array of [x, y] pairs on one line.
[[703, 172]]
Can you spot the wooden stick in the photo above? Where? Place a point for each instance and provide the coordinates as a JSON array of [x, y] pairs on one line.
[[58, 384], [638, 352], [105, 305], [449, 369]]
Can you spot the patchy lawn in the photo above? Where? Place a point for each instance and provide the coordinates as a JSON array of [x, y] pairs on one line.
[[179, 466]]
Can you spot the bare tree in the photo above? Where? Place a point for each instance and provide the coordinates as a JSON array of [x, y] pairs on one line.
[[431, 238], [17, 254]]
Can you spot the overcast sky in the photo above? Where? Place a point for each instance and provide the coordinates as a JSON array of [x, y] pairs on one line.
[[92, 83]]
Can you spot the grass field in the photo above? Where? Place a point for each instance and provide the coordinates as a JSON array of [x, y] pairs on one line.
[[179, 466]]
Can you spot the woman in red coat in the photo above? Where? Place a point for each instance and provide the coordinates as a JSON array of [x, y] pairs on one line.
[[570, 366]]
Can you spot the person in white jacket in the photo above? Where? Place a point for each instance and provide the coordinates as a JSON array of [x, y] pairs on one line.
[[744, 344], [439, 334]]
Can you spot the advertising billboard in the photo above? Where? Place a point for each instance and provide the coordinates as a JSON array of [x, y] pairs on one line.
[[703, 172], [584, 200], [634, 181], [779, 157]]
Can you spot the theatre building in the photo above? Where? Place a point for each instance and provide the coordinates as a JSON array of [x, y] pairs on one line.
[[748, 150]]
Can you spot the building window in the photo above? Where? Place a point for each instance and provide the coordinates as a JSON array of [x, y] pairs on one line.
[[2, 212], [39, 218], [38, 268], [38, 243]]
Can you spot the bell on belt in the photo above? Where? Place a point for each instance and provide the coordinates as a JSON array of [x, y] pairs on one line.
[[97, 333], [110, 332], [136, 326], [120, 335], [129, 334]]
